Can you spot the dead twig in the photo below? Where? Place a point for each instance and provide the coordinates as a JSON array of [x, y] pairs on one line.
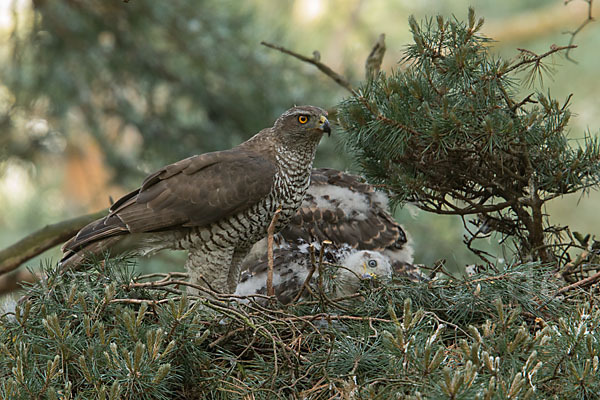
[[313, 268], [339, 79], [375, 58], [584, 282], [579, 28], [270, 233], [140, 301], [226, 336]]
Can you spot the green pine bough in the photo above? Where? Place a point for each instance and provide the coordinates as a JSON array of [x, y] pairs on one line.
[[109, 333], [448, 132]]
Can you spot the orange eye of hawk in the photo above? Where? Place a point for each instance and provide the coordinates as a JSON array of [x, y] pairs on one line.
[[303, 119]]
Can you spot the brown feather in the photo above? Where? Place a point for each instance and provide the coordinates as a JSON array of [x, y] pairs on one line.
[[194, 192]]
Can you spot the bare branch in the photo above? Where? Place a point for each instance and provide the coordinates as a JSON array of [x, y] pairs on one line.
[[270, 233], [13, 281], [579, 28], [339, 79], [46, 238], [579, 284], [375, 58]]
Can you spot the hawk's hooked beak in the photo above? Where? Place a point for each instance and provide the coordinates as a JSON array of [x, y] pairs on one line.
[[324, 125]]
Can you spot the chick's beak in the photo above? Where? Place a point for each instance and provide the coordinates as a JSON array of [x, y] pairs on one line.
[[324, 125], [366, 274]]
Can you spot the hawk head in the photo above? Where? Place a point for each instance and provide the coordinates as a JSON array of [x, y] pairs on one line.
[[301, 124]]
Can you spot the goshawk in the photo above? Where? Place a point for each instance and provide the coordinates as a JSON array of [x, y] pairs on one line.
[[215, 205]]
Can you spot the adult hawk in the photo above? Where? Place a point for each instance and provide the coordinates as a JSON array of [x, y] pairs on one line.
[[292, 268], [215, 205], [344, 209]]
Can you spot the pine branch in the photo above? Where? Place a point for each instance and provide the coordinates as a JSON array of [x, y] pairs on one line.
[[529, 57], [446, 133], [396, 338]]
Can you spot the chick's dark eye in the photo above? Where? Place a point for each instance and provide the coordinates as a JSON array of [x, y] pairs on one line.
[[303, 119], [372, 263]]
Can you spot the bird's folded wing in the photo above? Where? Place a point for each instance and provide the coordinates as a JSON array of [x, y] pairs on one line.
[[193, 192]]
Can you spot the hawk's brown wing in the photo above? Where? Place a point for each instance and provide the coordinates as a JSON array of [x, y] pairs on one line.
[[193, 192]]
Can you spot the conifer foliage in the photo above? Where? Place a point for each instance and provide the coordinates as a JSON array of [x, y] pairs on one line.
[[109, 333], [448, 131]]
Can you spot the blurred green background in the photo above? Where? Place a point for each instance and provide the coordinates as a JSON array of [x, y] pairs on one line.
[[95, 94]]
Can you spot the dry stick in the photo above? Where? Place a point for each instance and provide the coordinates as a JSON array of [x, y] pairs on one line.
[[140, 301], [320, 278], [38, 242], [576, 31], [304, 286], [329, 317], [375, 58], [339, 79], [313, 267], [226, 336], [577, 284], [169, 281], [270, 233], [165, 276]]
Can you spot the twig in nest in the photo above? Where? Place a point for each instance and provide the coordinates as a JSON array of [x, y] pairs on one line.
[[166, 276], [313, 268], [438, 266], [570, 267], [226, 336], [339, 79], [270, 233], [140, 301], [304, 286], [335, 299], [584, 282], [313, 261]]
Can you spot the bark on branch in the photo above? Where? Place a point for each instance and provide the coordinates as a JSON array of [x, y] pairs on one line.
[[270, 234], [46, 238], [339, 79], [13, 281], [574, 33]]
